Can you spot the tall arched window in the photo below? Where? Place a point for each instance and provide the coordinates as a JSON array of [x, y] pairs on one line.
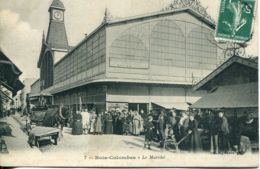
[[167, 44], [47, 71], [201, 49], [128, 51]]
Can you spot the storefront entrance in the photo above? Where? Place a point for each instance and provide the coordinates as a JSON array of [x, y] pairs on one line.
[[138, 107]]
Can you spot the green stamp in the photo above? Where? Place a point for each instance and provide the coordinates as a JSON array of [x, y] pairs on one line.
[[235, 20]]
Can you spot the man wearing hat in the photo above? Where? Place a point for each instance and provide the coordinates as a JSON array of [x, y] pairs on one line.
[[223, 133], [148, 132], [161, 127], [194, 138]]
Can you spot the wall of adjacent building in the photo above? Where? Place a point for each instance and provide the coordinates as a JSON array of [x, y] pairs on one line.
[[36, 87], [27, 89]]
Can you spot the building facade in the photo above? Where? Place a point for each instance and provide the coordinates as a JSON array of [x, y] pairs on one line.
[[9, 84], [26, 90], [132, 63], [232, 87]]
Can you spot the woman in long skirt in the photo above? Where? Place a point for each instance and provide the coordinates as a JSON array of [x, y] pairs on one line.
[[137, 124], [129, 122], [108, 123], [92, 122], [98, 125], [77, 124], [195, 142]]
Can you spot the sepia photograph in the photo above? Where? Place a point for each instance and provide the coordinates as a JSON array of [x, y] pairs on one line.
[[129, 83]]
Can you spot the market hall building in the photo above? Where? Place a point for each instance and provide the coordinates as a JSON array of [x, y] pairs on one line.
[[140, 62]]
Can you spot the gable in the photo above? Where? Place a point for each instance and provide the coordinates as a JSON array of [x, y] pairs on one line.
[[234, 71]]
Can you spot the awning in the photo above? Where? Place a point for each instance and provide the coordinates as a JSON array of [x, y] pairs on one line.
[[40, 94], [230, 96], [176, 105], [9, 74], [2, 93], [33, 98]]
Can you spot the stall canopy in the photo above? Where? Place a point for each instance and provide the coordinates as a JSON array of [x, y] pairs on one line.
[[9, 74], [176, 105], [230, 96]]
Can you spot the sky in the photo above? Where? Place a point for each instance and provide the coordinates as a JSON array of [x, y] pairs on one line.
[[22, 23]]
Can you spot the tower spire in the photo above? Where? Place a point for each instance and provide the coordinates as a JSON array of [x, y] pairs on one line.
[[43, 37], [57, 4], [57, 36], [107, 16]]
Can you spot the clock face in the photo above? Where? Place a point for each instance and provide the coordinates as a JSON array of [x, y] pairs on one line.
[[57, 15]]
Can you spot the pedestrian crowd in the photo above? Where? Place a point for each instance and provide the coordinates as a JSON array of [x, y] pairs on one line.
[[196, 131], [111, 122]]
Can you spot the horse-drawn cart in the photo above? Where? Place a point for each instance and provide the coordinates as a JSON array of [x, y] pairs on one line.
[[43, 125]]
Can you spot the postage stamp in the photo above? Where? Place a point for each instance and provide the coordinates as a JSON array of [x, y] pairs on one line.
[[235, 22]]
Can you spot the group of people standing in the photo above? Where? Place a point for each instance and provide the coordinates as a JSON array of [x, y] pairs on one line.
[[232, 134], [112, 122], [182, 127], [185, 127], [197, 131]]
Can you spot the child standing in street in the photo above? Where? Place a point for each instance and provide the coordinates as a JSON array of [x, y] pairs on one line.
[[149, 132]]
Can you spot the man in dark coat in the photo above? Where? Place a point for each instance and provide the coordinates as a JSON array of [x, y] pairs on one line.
[[249, 133], [223, 133], [148, 129], [212, 126], [161, 127]]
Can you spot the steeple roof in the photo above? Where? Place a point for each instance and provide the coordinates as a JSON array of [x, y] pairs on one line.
[[57, 37], [57, 4]]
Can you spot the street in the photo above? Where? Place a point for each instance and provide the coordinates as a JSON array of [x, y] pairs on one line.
[[93, 150]]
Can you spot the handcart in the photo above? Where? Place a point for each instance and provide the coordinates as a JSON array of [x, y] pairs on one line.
[[40, 133], [172, 141]]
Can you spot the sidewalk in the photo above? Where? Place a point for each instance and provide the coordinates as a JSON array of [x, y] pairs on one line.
[[19, 140], [20, 120]]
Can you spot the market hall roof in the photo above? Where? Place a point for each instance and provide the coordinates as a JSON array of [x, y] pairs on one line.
[[230, 69], [9, 74], [230, 96]]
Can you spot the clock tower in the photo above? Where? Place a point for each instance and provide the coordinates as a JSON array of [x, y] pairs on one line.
[[57, 38], [56, 11], [55, 46]]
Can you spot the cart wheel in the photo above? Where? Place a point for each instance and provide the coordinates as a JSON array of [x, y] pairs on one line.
[[37, 143], [177, 148], [55, 141]]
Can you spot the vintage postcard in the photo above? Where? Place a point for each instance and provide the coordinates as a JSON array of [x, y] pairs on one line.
[[132, 83]]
